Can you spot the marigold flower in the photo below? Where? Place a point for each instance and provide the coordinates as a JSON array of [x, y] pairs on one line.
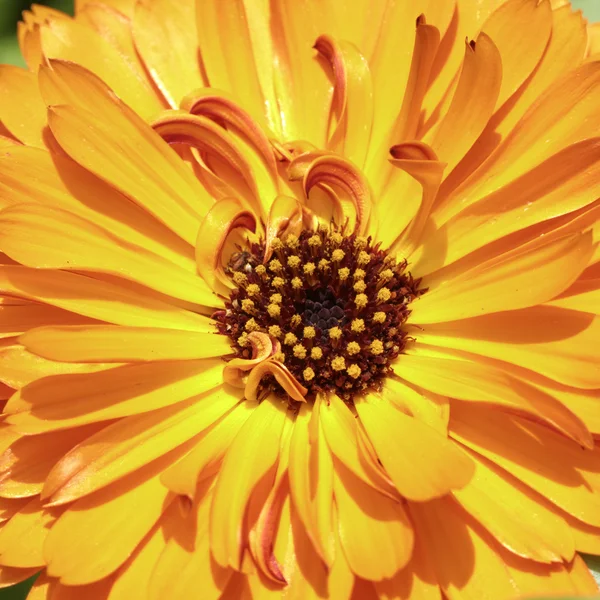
[[171, 430]]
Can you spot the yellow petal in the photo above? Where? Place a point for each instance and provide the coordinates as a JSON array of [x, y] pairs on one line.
[[182, 477], [25, 465], [340, 430], [478, 382], [567, 352], [158, 25], [240, 473], [140, 563], [55, 403], [432, 409], [124, 6], [375, 533], [69, 40], [566, 182], [33, 235], [22, 109], [542, 459], [473, 102], [185, 564], [108, 343], [22, 538], [505, 283], [311, 484], [18, 318], [131, 443], [96, 299], [498, 501], [465, 565], [352, 96], [520, 29], [422, 463], [117, 517], [148, 171], [31, 175], [563, 115]]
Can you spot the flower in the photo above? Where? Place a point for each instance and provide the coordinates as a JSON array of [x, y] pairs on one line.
[[314, 316]]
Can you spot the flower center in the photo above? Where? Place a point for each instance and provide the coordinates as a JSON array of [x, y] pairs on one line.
[[336, 304]]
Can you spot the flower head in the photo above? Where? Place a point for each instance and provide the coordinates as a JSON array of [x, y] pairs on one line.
[[316, 314]]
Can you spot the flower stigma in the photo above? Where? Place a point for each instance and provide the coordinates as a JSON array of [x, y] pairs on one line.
[[336, 303]]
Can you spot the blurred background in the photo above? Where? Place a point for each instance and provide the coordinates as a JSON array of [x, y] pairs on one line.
[[10, 13]]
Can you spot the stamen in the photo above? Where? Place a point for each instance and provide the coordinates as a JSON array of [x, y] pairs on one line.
[[274, 310], [338, 363], [309, 332], [275, 331], [290, 339], [308, 374], [316, 353], [353, 348], [376, 347], [354, 371], [299, 351]]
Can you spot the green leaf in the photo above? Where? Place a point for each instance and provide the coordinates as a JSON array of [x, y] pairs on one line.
[[17, 592]]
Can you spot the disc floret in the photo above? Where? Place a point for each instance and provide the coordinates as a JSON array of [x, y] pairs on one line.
[[336, 302]]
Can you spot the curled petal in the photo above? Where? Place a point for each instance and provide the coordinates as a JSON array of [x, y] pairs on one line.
[[178, 127], [225, 216], [421, 163], [284, 378], [282, 213], [338, 174], [222, 110], [352, 100], [262, 348]]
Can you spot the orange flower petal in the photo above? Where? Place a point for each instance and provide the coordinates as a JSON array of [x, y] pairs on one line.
[[33, 234], [463, 561], [422, 463], [117, 517], [108, 343], [520, 29], [185, 564], [182, 476], [31, 175], [68, 40], [473, 102], [311, 484], [129, 444], [149, 172], [340, 430], [240, 473], [498, 501], [22, 538], [566, 182], [55, 403], [375, 532], [566, 351], [25, 465], [96, 299], [225, 216], [160, 24], [542, 459], [352, 98], [23, 111], [478, 382]]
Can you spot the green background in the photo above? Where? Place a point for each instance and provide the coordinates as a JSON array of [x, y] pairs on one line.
[[10, 11]]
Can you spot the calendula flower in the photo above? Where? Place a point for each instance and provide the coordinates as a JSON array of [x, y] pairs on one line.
[[300, 299]]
